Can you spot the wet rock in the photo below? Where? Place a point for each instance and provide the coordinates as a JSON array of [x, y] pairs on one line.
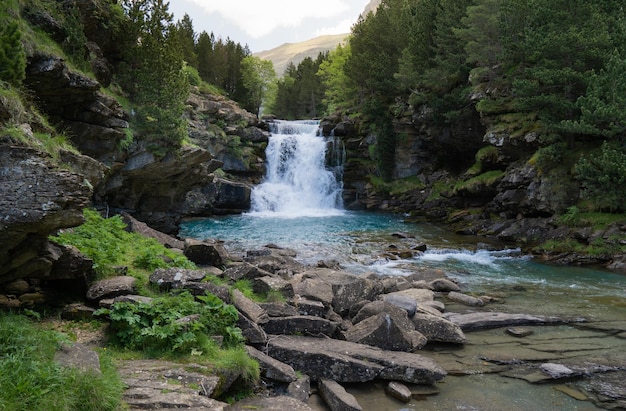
[[443, 285], [487, 320], [206, 252], [556, 371], [337, 398], [465, 299], [399, 391], [111, 287], [280, 403], [519, 332], [384, 331], [271, 368], [436, 328], [343, 361], [301, 325]]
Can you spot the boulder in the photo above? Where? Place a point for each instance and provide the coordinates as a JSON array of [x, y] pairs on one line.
[[241, 270], [399, 391], [344, 361], [337, 398], [77, 312], [135, 226], [206, 252], [271, 368], [78, 356], [249, 308], [439, 329], [384, 331], [465, 299], [220, 291], [168, 278], [279, 309], [309, 307], [418, 295], [313, 289], [111, 287], [443, 285], [251, 331], [300, 389], [377, 307], [300, 325], [270, 283], [404, 302]]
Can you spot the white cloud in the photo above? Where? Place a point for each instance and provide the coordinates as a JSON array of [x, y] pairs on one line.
[[341, 27], [259, 18]]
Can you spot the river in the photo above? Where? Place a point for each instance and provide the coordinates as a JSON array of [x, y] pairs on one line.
[[298, 206]]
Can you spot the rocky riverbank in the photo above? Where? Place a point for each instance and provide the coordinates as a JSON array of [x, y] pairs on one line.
[[330, 329]]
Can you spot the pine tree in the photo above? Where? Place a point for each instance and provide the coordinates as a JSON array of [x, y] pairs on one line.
[[12, 55]]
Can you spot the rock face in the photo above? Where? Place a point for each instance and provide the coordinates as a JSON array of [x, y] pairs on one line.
[[36, 199]]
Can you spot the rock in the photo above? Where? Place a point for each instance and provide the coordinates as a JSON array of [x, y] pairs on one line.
[[309, 307], [300, 389], [168, 278], [16, 287], [245, 270], [78, 356], [279, 309], [159, 385], [519, 332], [487, 320], [220, 291], [49, 199], [249, 308], [443, 285], [206, 252], [270, 283], [77, 312], [251, 331], [343, 361], [376, 307], [111, 287], [556, 371], [271, 368], [280, 403], [416, 294], [346, 289], [399, 391], [136, 226], [280, 263], [300, 325], [337, 398], [465, 299], [384, 331], [404, 302], [438, 329], [313, 289]]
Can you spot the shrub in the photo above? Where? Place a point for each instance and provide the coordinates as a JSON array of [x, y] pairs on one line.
[[12, 55], [157, 327]]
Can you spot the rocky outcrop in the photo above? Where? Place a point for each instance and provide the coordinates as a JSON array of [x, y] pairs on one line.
[[36, 199]]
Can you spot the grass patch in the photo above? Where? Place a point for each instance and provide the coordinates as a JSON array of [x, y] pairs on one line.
[[110, 246], [31, 380], [574, 217], [476, 184], [398, 186]]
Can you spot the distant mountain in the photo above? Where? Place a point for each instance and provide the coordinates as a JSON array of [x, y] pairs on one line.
[[282, 55], [294, 53]]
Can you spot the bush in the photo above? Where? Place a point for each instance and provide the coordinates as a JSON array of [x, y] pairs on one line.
[[12, 55], [156, 327]]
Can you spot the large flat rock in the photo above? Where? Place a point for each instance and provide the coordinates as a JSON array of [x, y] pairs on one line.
[[486, 320], [343, 361]]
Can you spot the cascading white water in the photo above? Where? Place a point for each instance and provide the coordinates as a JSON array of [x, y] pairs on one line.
[[297, 182]]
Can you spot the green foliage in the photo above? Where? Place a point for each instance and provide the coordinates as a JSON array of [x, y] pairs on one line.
[[603, 177], [259, 79], [109, 245], [32, 380], [174, 324], [75, 44], [475, 184], [339, 91], [12, 55]]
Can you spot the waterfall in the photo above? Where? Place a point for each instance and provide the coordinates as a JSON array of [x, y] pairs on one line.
[[298, 182]]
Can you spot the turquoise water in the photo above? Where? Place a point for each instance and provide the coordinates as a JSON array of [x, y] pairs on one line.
[[358, 241]]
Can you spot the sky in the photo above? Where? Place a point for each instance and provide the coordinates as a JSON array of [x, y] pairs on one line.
[[266, 24]]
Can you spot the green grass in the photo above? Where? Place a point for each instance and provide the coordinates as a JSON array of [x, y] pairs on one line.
[[31, 380], [398, 186], [109, 245]]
